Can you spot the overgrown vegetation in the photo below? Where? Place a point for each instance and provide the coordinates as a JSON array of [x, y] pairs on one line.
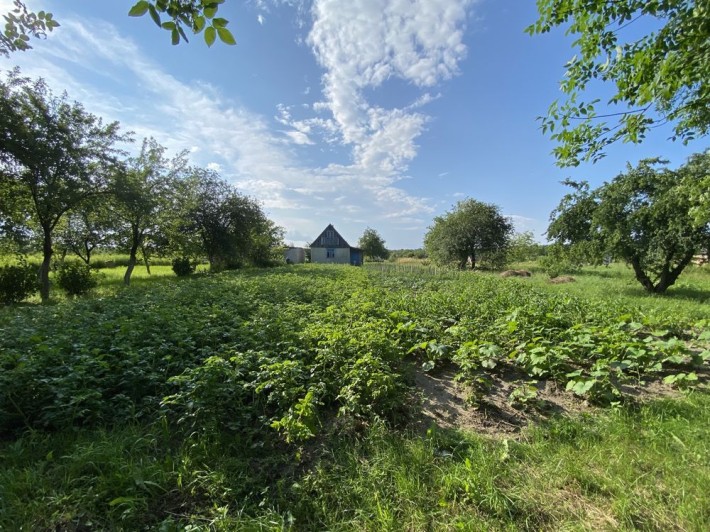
[[283, 398]]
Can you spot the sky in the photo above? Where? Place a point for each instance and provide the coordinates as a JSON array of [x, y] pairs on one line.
[[359, 113]]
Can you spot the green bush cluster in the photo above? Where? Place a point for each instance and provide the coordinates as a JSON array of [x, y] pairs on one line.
[[17, 282], [182, 266], [75, 278]]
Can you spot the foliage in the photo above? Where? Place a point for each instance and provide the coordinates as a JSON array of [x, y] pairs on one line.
[[163, 404], [372, 245], [658, 77], [75, 278], [54, 157], [17, 282], [183, 266], [144, 201], [197, 15], [20, 25], [473, 232], [216, 221], [641, 216], [87, 228], [523, 247]]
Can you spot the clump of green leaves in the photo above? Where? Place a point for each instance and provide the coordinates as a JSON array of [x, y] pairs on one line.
[[17, 282], [183, 266], [76, 279]]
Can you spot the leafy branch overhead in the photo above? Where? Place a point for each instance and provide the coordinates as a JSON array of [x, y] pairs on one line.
[[660, 77], [20, 25], [196, 15]]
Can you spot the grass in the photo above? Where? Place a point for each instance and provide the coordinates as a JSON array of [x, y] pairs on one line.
[[247, 345], [633, 468]]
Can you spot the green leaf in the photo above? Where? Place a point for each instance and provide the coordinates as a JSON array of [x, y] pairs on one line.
[[226, 36], [170, 25], [199, 24], [175, 37], [219, 22], [210, 35], [139, 9], [210, 12], [154, 14]]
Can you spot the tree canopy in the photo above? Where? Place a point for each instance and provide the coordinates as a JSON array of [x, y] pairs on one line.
[[54, 156], [642, 216], [373, 245], [472, 233], [659, 77]]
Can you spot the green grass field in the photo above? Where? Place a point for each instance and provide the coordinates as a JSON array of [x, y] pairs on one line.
[[286, 399]]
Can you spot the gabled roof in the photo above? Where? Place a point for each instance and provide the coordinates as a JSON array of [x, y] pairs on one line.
[[330, 238]]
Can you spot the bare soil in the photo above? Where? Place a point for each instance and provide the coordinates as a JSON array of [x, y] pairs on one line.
[[445, 402]]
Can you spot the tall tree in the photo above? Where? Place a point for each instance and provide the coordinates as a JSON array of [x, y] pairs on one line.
[[54, 156], [472, 233], [642, 216], [142, 190], [373, 245], [658, 77], [217, 221], [87, 227]]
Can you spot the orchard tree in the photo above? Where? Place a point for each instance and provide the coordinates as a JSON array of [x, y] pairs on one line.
[[659, 77], [54, 157], [373, 245], [522, 247], [88, 227], [642, 216], [143, 192], [473, 232], [216, 221]]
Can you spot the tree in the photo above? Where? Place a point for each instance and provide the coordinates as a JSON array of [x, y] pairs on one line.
[[216, 221], [642, 216], [660, 77], [86, 228], [142, 191], [54, 156], [195, 15], [522, 247], [373, 246], [473, 232], [20, 24]]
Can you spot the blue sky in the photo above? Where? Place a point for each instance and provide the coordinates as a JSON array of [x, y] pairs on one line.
[[379, 113]]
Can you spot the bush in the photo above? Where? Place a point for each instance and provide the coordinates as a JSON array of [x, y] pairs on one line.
[[17, 282], [182, 266], [75, 278]]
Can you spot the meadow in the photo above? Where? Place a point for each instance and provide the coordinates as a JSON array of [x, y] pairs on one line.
[[288, 399]]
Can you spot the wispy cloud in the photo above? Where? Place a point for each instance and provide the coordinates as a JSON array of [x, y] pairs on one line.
[[360, 44]]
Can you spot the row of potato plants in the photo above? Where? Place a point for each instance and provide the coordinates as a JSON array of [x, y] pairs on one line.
[[261, 354]]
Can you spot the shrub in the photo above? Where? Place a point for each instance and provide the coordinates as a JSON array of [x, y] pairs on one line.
[[17, 282], [75, 278], [182, 266]]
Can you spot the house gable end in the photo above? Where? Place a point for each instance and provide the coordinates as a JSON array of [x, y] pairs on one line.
[[330, 238]]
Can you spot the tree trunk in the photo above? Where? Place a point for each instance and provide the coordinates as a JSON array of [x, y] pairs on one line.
[[46, 264], [669, 277], [145, 260], [641, 276], [131, 264]]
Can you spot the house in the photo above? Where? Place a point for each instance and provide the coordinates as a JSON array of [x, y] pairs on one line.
[[295, 255], [331, 248]]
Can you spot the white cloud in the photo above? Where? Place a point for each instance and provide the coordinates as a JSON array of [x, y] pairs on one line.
[[363, 43], [260, 19], [112, 77]]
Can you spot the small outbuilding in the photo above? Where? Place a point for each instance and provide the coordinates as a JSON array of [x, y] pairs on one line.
[[295, 255], [331, 248]]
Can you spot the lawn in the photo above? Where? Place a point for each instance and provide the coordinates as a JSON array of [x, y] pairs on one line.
[[288, 398]]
